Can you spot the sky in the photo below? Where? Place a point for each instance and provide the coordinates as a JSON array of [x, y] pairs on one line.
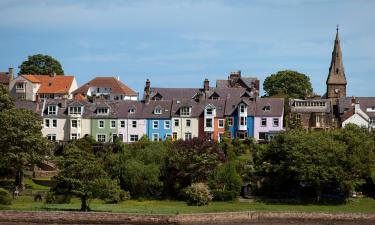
[[180, 43]]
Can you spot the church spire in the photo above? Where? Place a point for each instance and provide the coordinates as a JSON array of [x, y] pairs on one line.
[[336, 80]]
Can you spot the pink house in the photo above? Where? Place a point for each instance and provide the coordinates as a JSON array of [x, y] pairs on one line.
[[268, 120]]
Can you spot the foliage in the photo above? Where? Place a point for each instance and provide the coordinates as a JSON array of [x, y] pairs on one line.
[[226, 182], [6, 101], [5, 197], [190, 161], [41, 65], [288, 84], [82, 174], [198, 194], [22, 144], [53, 198], [300, 162]]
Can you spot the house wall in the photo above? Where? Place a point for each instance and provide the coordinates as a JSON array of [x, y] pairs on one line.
[[73, 87], [30, 89], [107, 130], [161, 131], [182, 128], [258, 128], [140, 130], [61, 130], [357, 120]]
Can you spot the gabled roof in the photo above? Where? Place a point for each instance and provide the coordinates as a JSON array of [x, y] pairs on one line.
[[116, 86], [51, 84], [174, 93], [232, 105], [125, 106], [149, 108], [345, 104], [4, 78], [276, 107]]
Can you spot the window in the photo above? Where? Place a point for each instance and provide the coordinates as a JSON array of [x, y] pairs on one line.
[[275, 122], [209, 111], [298, 116], [101, 123], [54, 123], [132, 110], [113, 123], [176, 122], [121, 137], [134, 123], [267, 108], [168, 136], [155, 124], [102, 111], [263, 122], [230, 121], [75, 136], [174, 135], [46, 122], [209, 122], [75, 110], [114, 137], [51, 137], [317, 120], [188, 123], [243, 121], [155, 137], [185, 111], [75, 123], [157, 111], [242, 135], [133, 137], [242, 108], [372, 120], [122, 123], [20, 85], [188, 136], [262, 136], [101, 137], [167, 124], [52, 110], [221, 123]]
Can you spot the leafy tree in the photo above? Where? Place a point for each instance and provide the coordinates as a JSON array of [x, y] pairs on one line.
[[6, 101], [226, 181], [81, 174], [22, 144], [41, 65], [287, 84], [198, 194]]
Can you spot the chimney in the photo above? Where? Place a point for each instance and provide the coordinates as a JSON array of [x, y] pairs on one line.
[[206, 85], [53, 74], [11, 75], [147, 91], [353, 101]]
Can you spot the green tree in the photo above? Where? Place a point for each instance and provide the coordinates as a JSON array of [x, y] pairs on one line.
[[41, 65], [225, 182], [82, 174], [287, 84], [6, 101], [22, 144]]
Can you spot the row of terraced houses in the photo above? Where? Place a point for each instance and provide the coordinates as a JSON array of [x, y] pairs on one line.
[[107, 109]]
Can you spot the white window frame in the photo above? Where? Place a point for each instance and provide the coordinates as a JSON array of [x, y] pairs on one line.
[[211, 121], [209, 111], [178, 122], [101, 127], [47, 123], [51, 137], [102, 111], [185, 111], [230, 121], [167, 124], [133, 137], [75, 110], [243, 121], [54, 123], [78, 123], [261, 122], [77, 136], [20, 85], [188, 123], [221, 121], [188, 136], [155, 135], [52, 110], [111, 123], [134, 124], [155, 124], [105, 138], [114, 136], [158, 111], [122, 124], [275, 122], [242, 108]]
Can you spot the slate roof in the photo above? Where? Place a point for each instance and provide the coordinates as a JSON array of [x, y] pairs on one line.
[[196, 107], [246, 80], [165, 106], [345, 104], [323, 109], [232, 105], [219, 105], [276, 107], [124, 109], [30, 105], [51, 85], [117, 87], [4, 78]]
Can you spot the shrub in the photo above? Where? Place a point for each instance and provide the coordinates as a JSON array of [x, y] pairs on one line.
[[220, 195], [198, 194], [117, 196], [5, 197], [43, 182], [53, 198]]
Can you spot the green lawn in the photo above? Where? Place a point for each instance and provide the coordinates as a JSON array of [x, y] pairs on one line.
[[364, 205]]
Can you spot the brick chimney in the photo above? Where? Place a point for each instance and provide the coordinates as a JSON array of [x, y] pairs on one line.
[[147, 91], [206, 85], [11, 73]]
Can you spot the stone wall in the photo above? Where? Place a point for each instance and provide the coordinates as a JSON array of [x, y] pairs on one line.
[[276, 218]]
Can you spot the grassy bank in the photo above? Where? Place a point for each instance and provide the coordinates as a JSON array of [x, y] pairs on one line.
[[26, 203]]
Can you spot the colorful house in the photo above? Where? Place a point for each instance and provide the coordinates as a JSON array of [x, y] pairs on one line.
[[212, 120], [240, 117], [104, 121], [159, 124], [185, 119], [268, 120], [131, 124]]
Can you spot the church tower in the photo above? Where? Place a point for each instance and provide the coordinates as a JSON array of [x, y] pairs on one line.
[[336, 80]]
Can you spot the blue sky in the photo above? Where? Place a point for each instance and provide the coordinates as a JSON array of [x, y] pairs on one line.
[[179, 43]]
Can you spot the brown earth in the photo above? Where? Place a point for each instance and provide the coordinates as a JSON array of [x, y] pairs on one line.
[[240, 218]]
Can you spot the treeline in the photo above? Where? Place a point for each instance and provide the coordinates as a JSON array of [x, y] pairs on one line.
[[296, 165]]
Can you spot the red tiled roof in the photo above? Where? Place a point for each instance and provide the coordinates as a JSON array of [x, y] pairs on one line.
[[57, 84], [79, 97], [110, 82], [4, 78]]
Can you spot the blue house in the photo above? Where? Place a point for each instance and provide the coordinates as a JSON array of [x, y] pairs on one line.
[[158, 117], [240, 118]]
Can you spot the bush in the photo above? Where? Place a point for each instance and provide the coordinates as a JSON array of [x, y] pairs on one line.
[[5, 197], [7, 184], [53, 198], [43, 182], [117, 196], [220, 195], [198, 194]]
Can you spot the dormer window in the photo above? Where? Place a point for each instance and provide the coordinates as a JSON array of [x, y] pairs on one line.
[[102, 111], [242, 108], [185, 111], [158, 111], [52, 110], [132, 110], [209, 111], [75, 110], [267, 108], [20, 85]]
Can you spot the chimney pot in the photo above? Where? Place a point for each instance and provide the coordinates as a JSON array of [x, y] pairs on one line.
[[206, 85]]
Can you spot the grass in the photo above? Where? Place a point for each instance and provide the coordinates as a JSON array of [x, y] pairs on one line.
[[31, 185], [26, 203]]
